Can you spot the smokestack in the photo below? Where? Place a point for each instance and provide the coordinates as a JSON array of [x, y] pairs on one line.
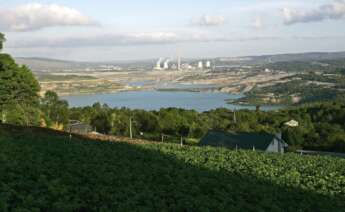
[[208, 64], [158, 64], [166, 64], [179, 63], [200, 65]]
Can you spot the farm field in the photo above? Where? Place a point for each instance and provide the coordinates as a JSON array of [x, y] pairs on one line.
[[41, 170]]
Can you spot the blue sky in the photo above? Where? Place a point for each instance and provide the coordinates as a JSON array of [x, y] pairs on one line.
[[140, 29]]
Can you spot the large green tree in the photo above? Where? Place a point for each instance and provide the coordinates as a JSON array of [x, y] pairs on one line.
[[55, 110], [2, 40], [19, 99], [101, 122]]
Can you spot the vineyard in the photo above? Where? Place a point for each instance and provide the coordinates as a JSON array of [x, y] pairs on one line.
[[41, 170]]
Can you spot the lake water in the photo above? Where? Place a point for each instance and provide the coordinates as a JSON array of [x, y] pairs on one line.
[[154, 100]]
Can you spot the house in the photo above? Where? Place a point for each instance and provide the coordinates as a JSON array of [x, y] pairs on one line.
[[257, 141], [78, 127], [292, 123]]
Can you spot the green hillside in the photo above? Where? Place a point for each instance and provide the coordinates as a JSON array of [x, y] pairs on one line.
[[42, 171]]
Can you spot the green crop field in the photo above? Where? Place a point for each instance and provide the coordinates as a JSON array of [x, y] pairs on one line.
[[40, 170]]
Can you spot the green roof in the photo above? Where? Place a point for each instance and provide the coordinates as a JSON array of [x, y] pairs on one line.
[[244, 140]]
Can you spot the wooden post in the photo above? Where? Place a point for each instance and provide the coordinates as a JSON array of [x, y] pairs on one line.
[[130, 128], [254, 148], [181, 141], [162, 138], [70, 134]]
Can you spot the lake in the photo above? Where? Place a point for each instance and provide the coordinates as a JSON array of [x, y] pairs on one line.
[[154, 100]]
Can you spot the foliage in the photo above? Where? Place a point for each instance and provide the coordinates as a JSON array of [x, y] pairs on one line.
[[321, 126], [101, 122], [85, 175], [55, 110], [2, 40], [18, 93]]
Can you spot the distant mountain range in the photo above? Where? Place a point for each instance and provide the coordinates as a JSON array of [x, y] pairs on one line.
[[265, 59], [52, 65]]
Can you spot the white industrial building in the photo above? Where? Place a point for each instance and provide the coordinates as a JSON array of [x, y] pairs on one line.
[[200, 65]]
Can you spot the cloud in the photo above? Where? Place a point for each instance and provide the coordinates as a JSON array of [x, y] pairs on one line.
[[36, 16], [334, 10], [131, 39], [209, 20]]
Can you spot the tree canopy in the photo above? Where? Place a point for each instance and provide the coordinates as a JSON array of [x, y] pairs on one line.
[[2, 40], [19, 99], [55, 110]]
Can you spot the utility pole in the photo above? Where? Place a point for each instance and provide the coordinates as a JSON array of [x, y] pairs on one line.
[[130, 128], [179, 63], [70, 133], [214, 65]]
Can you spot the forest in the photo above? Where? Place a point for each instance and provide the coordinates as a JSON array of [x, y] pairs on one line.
[[321, 126]]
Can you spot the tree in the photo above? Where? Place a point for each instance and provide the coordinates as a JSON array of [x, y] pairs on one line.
[[146, 121], [184, 132], [18, 91], [2, 40], [293, 137], [102, 122], [55, 110]]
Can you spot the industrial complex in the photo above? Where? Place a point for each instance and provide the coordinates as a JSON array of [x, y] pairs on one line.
[[169, 64]]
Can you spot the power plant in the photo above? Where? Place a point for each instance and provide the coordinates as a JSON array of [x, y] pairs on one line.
[[169, 64]]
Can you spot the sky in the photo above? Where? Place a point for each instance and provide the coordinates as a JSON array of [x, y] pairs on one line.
[[110, 30]]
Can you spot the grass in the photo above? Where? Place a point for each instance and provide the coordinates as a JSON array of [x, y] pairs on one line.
[[41, 170]]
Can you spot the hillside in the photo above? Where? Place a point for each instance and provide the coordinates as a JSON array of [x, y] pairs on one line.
[[42, 171], [52, 65], [268, 59]]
